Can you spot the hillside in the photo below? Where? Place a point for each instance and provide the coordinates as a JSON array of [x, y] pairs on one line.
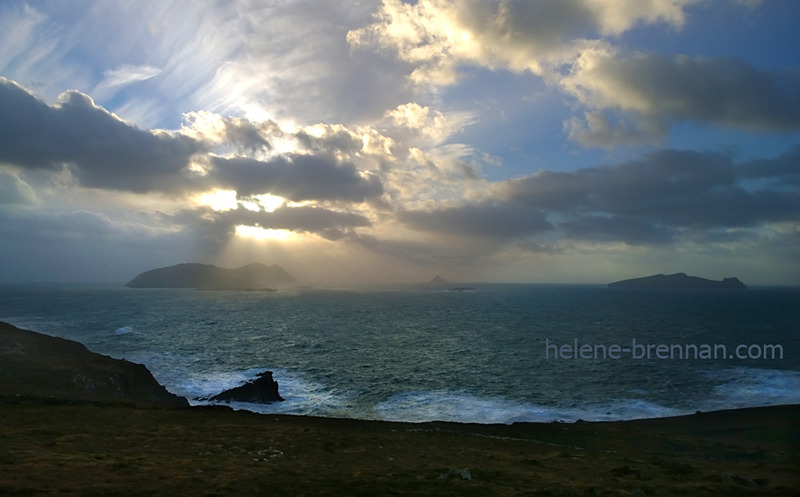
[[254, 276], [42, 366]]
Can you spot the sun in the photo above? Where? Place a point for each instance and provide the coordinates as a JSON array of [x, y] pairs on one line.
[[219, 200], [259, 233]]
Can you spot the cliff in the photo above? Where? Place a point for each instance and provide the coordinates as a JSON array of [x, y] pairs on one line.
[[250, 277], [41, 366], [679, 281]]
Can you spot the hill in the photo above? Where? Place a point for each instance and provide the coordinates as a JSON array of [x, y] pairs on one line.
[[254, 276], [679, 281], [42, 366]]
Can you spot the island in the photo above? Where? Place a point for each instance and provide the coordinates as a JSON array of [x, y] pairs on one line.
[[254, 276], [679, 281]]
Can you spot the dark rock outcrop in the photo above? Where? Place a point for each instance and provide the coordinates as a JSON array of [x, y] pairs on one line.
[[679, 281], [262, 390], [254, 276], [41, 366]]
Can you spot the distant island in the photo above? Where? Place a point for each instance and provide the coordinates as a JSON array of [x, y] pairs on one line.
[[438, 280], [679, 281], [254, 276]]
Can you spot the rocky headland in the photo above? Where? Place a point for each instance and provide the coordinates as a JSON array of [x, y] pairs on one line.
[[42, 366]]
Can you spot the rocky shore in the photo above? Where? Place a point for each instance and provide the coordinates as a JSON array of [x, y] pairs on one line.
[[70, 442]]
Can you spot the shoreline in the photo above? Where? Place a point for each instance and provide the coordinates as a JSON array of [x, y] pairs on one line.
[[76, 422]]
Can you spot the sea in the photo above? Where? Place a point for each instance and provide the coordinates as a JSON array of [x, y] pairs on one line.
[[484, 353]]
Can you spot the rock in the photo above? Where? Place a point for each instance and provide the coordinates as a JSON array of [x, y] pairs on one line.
[[41, 366], [438, 280], [741, 480], [458, 472], [262, 390]]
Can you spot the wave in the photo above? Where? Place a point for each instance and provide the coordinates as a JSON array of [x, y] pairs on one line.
[[424, 406], [301, 396], [124, 330], [751, 387]]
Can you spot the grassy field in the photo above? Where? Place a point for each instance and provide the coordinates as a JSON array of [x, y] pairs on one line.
[[59, 448]]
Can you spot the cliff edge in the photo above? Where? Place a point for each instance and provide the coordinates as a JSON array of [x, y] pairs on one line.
[[42, 366]]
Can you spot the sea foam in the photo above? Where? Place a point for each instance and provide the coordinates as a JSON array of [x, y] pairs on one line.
[[459, 407]]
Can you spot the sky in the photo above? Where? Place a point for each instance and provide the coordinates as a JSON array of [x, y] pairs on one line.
[[552, 141]]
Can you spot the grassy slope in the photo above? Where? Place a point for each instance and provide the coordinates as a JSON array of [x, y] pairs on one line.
[[58, 449]]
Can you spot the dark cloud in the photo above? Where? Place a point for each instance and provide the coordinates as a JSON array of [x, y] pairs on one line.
[[340, 140], [633, 231], [653, 91], [102, 150], [723, 90], [670, 188], [249, 136], [783, 170], [328, 223], [220, 225], [297, 177], [489, 220]]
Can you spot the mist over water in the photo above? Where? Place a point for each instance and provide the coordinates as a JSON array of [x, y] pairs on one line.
[[420, 354]]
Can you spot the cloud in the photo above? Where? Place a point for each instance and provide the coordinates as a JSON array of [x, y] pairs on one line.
[[101, 150], [297, 177], [432, 126], [631, 230], [121, 76], [625, 98], [127, 74], [219, 226], [657, 90], [648, 200], [501, 221], [288, 61], [14, 190], [438, 36]]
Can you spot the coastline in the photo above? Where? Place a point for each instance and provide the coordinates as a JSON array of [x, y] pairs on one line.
[[114, 445]]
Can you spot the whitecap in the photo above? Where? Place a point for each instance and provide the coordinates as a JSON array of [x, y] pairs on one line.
[[418, 407], [124, 330], [752, 387]]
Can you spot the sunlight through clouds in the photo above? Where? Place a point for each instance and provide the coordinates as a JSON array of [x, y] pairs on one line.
[[413, 134]]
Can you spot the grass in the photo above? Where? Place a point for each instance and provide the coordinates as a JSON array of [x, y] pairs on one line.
[[59, 448]]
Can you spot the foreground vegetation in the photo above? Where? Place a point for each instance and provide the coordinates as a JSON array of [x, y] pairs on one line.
[[61, 448]]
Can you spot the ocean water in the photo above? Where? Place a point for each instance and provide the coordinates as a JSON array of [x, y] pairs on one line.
[[487, 354]]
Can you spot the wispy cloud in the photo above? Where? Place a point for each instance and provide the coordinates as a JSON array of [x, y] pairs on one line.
[[122, 76]]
